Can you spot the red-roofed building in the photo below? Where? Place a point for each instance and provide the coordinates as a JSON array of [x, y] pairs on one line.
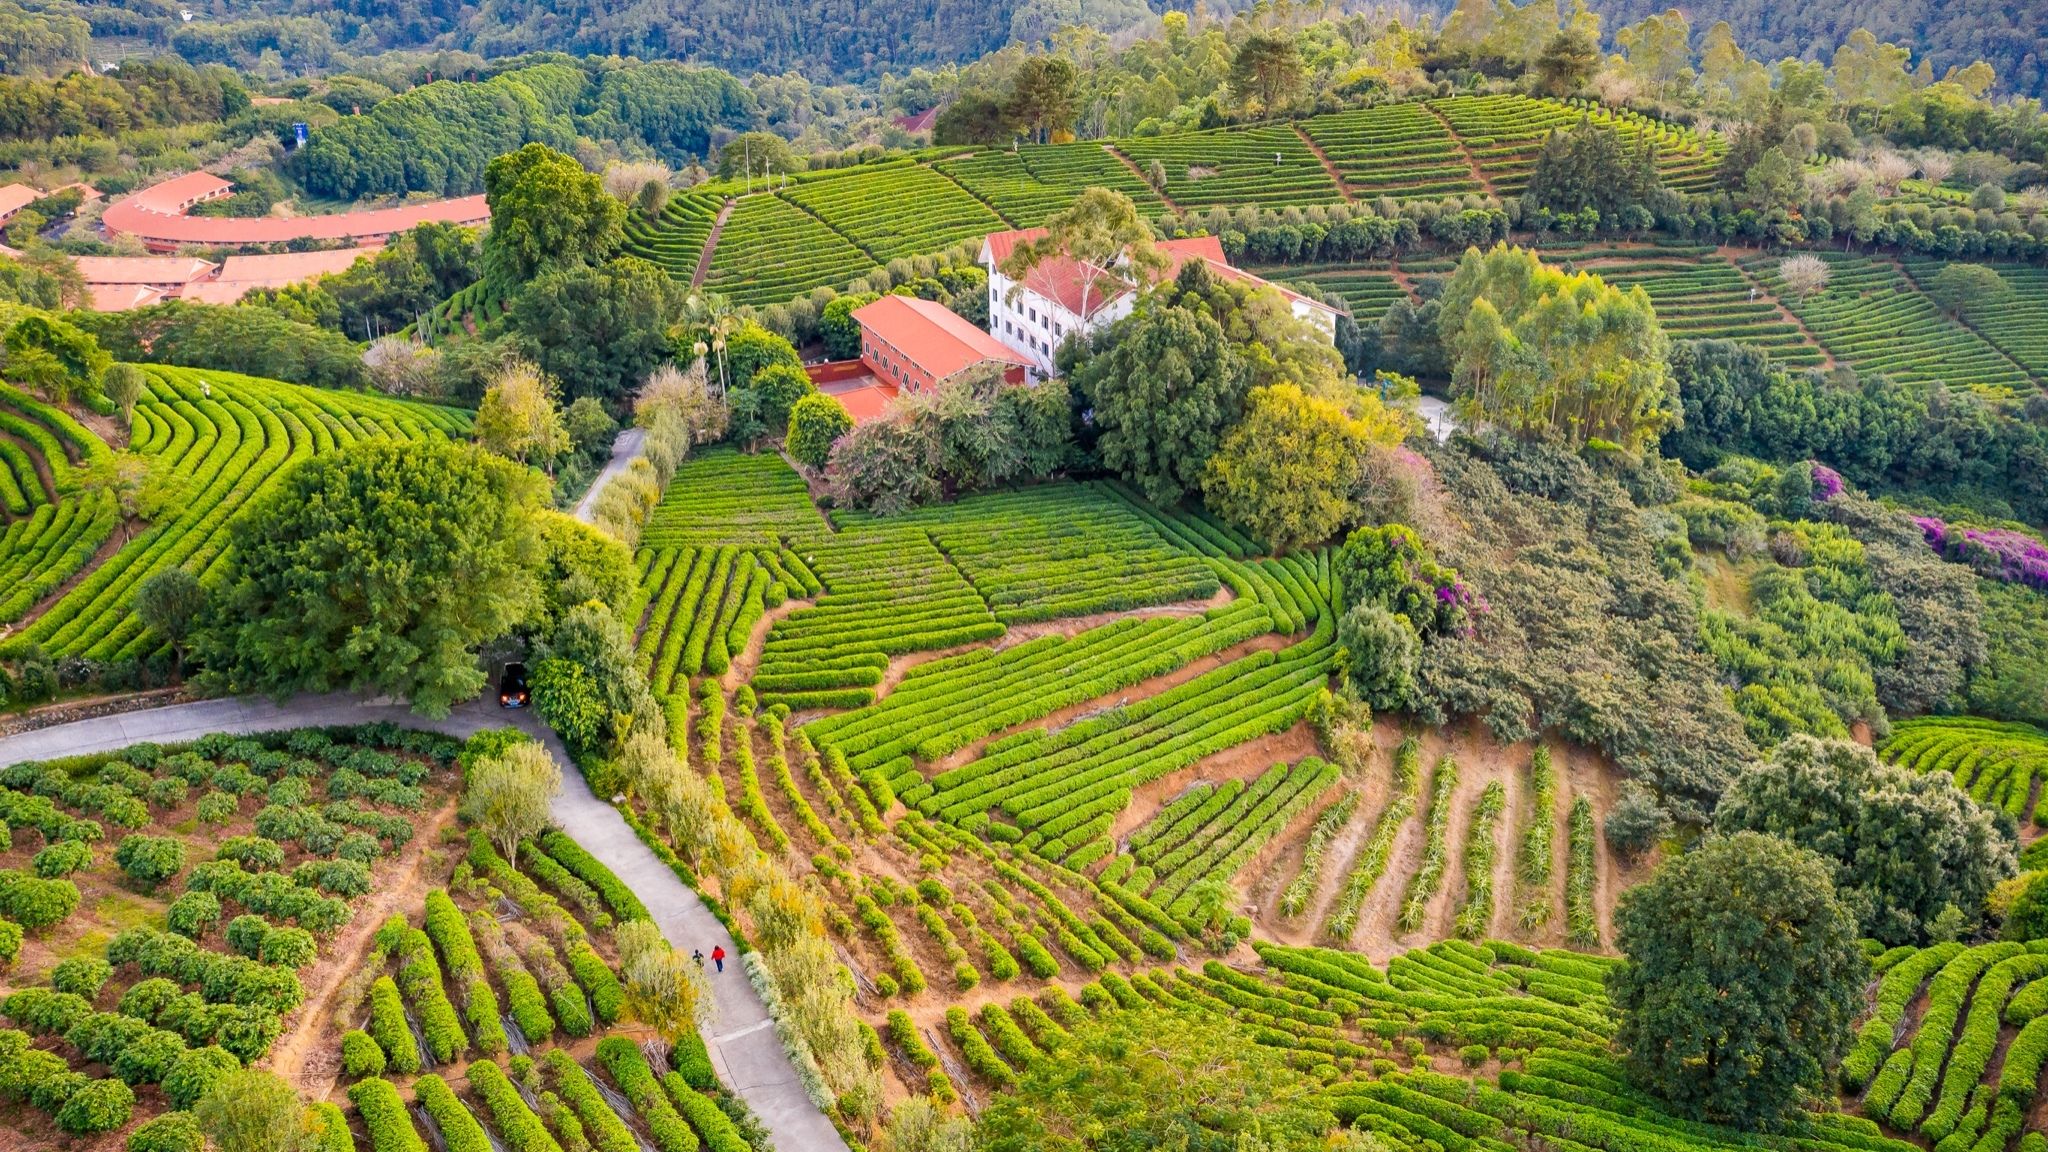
[[122, 297], [118, 283], [168, 274], [241, 275], [1061, 296], [157, 216], [15, 197], [918, 121], [915, 344]]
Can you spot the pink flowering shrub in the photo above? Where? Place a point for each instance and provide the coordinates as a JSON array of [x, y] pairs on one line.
[[1996, 553]]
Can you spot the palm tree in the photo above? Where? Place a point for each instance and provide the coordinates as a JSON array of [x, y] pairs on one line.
[[713, 315]]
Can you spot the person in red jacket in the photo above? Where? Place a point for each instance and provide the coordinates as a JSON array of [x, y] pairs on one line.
[[718, 956]]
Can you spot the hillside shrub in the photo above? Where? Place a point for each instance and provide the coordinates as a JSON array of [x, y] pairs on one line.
[[150, 860], [170, 1132], [360, 1055]]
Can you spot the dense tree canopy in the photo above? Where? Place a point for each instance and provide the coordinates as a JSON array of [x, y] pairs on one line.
[[546, 212], [441, 136], [1288, 472], [1164, 385], [1742, 980], [598, 330], [1946, 444], [379, 567], [257, 341], [1904, 847], [1591, 166], [1537, 351]]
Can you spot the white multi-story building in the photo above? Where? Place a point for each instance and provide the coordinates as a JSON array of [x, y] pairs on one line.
[[1062, 296]]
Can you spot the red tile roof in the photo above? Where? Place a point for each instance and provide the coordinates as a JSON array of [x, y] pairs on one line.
[[919, 121], [1062, 280], [179, 193], [15, 197], [142, 269], [279, 269], [1065, 282], [156, 214], [868, 401], [122, 297], [933, 336]]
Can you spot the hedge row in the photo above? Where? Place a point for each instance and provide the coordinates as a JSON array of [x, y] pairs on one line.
[[592, 871], [1372, 859], [384, 1117], [628, 1069]]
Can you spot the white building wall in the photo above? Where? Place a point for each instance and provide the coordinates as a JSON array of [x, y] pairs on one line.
[[1035, 324]]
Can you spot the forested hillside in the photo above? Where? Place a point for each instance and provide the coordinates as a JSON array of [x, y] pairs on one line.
[[823, 38], [2011, 37]]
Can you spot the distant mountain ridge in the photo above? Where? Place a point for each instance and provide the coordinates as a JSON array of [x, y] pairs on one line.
[[2010, 35]]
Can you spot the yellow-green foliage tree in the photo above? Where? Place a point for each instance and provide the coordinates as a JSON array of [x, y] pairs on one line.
[[1289, 470], [1542, 353]]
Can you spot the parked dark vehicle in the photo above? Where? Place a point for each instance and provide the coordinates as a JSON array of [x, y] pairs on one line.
[[512, 691]]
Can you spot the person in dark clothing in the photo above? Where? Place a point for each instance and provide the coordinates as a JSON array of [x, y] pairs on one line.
[[697, 954]]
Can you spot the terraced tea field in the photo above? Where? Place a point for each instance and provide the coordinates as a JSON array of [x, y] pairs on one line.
[[1271, 166], [1959, 1063], [1874, 318], [2004, 765], [1367, 289], [2017, 326], [285, 900], [1035, 181], [1484, 1046], [1031, 742], [828, 227], [891, 210], [53, 529], [1397, 150], [675, 241], [224, 438], [1699, 295], [771, 250], [187, 911], [1503, 133]]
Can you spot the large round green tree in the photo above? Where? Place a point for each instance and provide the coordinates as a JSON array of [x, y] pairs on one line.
[[546, 212], [1164, 384], [382, 568], [1742, 979], [1907, 849]]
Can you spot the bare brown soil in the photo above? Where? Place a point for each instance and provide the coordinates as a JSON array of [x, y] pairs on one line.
[[309, 1054], [711, 243], [1480, 760]]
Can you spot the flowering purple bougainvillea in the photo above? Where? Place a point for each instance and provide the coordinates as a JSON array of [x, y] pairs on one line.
[[1827, 483], [1997, 553]]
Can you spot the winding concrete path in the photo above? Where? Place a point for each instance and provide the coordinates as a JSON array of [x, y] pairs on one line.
[[742, 1039], [624, 449]]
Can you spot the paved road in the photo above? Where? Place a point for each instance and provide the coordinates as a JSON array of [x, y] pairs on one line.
[[1437, 416], [742, 1039], [624, 449]]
